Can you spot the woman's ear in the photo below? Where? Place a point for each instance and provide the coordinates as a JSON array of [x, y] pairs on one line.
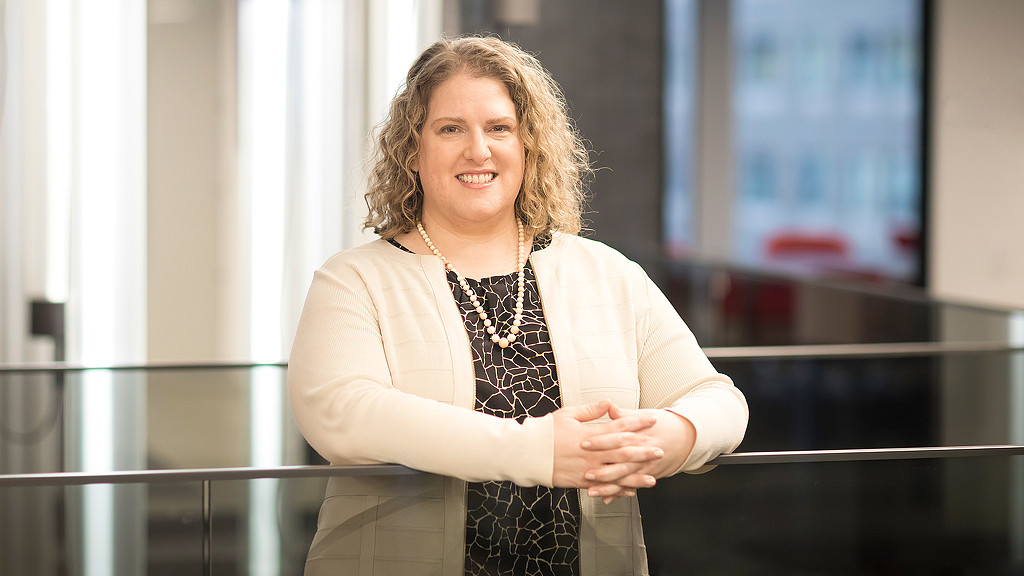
[[415, 163]]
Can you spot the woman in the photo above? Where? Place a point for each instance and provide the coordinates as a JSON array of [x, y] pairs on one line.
[[541, 377]]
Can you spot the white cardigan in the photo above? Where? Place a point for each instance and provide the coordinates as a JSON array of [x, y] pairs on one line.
[[381, 372]]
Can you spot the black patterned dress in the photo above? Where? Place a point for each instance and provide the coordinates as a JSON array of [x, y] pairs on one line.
[[512, 529]]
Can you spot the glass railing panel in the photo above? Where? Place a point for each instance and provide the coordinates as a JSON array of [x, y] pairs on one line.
[[201, 418], [143, 528], [729, 306], [946, 513], [213, 418], [955, 516], [215, 521], [263, 526], [32, 422], [880, 401], [963, 323], [175, 531], [146, 417], [32, 530]]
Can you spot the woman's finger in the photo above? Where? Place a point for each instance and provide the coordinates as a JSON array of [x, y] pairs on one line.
[[637, 480], [608, 493], [631, 423], [608, 490], [631, 475], [611, 473], [611, 441], [614, 440], [626, 493], [615, 413], [633, 456]]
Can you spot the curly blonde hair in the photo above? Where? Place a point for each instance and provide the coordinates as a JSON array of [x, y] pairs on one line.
[[557, 167]]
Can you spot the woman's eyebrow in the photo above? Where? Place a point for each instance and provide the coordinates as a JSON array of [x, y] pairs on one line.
[[449, 120], [460, 120]]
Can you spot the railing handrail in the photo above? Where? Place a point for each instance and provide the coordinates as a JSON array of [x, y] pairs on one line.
[[871, 350], [138, 366], [199, 474], [324, 471], [869, 454]]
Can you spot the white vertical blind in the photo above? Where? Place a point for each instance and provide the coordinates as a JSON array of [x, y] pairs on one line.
[[107, 299], [58, 147], [74, 221], [263, 139]]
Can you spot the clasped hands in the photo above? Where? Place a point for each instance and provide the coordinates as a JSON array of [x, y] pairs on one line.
[[612, 458]]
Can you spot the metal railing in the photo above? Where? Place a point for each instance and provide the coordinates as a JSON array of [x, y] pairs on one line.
[[206, 476], [824, 351], [327, 471]]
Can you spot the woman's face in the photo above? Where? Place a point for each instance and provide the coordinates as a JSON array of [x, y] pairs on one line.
[[471, 158]]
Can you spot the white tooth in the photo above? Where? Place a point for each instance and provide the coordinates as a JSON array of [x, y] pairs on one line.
[[476, 178]]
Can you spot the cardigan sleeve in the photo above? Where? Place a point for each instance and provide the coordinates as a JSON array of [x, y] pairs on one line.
[[349, 411], [675, 374]]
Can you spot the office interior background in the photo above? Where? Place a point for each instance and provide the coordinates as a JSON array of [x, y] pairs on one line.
[[791, 172]]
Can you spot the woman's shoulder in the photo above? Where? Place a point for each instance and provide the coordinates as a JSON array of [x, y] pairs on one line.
[[584, 259], [375, 254], [570, 246]]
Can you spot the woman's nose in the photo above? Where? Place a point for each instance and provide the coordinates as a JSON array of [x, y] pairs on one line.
[[478, 148]]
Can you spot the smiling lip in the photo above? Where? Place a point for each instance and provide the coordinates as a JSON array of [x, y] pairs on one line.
[[479, 178]]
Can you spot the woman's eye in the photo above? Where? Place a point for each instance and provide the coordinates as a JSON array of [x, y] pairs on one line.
[[449, 129], [502, 128]]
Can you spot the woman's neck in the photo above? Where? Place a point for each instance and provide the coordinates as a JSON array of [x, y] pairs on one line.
[[474, 254]]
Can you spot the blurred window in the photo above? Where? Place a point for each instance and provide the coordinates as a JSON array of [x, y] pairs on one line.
[[825, 135]]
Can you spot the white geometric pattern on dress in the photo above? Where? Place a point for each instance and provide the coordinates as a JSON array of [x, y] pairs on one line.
[[513, 529]]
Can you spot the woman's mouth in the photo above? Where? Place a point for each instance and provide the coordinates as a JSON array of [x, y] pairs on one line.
[[476, 178]]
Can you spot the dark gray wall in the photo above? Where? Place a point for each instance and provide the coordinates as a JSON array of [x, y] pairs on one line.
[[607, 56]]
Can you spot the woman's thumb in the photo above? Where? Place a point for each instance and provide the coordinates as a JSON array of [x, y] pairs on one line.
[[589, 412]]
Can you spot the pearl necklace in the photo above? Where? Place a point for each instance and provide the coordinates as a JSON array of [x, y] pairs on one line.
[[517, 317]]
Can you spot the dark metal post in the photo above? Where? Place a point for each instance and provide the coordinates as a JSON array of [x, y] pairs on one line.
[[207, 530]]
